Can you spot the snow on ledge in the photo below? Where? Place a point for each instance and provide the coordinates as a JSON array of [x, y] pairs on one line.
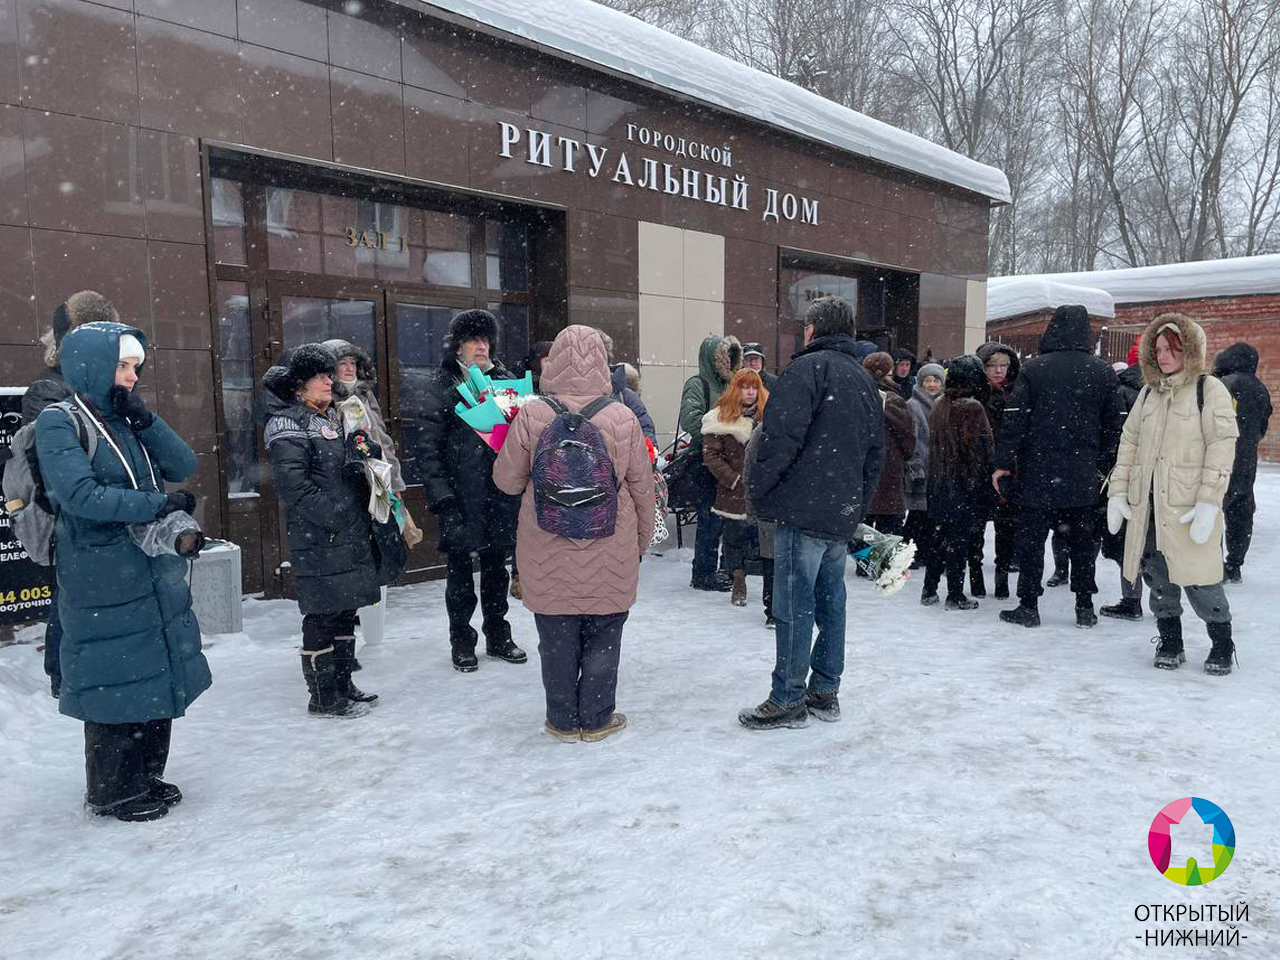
[[1231, 277], [1014, 296], [588, 31]]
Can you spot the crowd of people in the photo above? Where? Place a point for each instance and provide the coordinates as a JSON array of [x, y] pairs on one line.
[[1147, 468]]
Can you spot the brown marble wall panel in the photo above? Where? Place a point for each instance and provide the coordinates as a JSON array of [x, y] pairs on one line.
[[18, 322], [603, 251], [504, 78], [13, 173], [293, 26], [285, 100], [184, 395], [114, 266], [78, 58], [179, 295], [83, 174], [608, 114], [438, 132], [368, 121], [189, 81], [561, 103], [434, 60], [211, 16], [21, 365], [753, 323], [750, 272], [365, 37], [171, 187], [207, 487], [516, 176], [10, 54], [617, 314], [942, 307]]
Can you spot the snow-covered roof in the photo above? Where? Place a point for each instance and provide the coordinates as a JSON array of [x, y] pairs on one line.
[[1014, 296], [1234, 276], [588, 31]]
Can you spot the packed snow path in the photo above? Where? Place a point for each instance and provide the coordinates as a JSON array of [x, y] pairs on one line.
[[987, 795]]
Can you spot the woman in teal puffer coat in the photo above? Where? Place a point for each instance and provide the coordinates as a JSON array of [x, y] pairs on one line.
[[131, 658]]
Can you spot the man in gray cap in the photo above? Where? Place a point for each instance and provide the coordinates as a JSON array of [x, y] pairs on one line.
[[753, 359]]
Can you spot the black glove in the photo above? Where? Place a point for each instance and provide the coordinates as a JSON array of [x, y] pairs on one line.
[[130, 408], [361, 446], [182, 500], [451, 522]]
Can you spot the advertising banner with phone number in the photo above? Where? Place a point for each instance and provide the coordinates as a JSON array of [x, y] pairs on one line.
[[25, 587]]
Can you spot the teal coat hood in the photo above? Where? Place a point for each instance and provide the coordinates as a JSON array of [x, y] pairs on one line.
[[89, 357]]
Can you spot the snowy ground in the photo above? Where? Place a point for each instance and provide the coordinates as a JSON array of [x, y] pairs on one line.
[[987, 795]]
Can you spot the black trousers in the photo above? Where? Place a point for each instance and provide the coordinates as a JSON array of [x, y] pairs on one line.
[[53, 642], [579, 657], [460, 596], [121, 758], [1237, 516], [1076, 525], [1006, 535], [737, 541], [890, 523], [950, 551], [319, 630], [1061, 548]]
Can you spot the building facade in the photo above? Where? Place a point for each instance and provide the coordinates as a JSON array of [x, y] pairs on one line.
[[240, 176]]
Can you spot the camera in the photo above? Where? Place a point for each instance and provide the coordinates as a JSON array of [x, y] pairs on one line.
[[176, 534]]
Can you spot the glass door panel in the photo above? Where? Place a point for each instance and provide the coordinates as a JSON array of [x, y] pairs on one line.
[[420, 332], [316, 319]]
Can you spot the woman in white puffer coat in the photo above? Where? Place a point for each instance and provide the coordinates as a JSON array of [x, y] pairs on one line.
[[1170, 477]]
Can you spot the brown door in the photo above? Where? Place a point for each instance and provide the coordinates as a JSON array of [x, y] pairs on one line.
[[313, 310]]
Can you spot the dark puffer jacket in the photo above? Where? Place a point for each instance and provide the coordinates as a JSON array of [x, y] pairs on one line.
[[1237, 368], [822, 449], [457, 469], [50, 389], [1061, 427], [130, 644], [330, 531]]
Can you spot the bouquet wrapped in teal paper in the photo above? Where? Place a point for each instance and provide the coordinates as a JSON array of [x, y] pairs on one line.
[[488, 407]]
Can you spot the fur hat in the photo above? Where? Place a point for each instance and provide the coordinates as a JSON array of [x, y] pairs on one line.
[[966, 376], [471, 325], [297, 367], [87, 306], [932, 370], [878, 364], [902, 353], [365, 370]]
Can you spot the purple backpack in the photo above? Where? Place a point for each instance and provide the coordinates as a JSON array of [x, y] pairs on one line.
[[575, 488]]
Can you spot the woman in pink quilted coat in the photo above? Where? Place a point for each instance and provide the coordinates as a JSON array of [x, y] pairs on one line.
[[580, 590]]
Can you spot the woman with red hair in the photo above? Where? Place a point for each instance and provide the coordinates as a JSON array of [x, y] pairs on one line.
[[726, 428]]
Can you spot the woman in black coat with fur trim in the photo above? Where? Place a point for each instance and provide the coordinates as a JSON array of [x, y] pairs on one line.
[[331, 547]]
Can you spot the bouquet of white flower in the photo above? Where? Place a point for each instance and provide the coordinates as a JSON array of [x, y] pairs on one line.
[[884, 558]]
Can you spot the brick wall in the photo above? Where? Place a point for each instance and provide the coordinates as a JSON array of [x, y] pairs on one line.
[[1255, 319]]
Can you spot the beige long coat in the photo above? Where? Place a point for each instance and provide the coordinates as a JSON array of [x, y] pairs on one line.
[[580, 577], [1180, 454]]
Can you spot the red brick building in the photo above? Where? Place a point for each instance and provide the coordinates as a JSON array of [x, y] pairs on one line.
[[1233, 299]]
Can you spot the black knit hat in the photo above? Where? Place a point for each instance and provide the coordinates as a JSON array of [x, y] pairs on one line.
[[965, 375], [298, 366]]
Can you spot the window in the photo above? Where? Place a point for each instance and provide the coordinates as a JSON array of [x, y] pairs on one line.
[[238, 388], [420, 333]]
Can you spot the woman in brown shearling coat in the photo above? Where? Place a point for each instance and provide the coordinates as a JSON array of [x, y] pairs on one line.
[[726, 428], [580, 590]]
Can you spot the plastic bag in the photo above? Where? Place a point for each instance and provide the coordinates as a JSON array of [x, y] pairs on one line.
[[177, 534]]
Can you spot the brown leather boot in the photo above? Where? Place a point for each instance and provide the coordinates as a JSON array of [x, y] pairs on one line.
[[738, 596]]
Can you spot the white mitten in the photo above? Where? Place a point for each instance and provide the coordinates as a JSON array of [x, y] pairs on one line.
[[1118, 511], [1201, 518]]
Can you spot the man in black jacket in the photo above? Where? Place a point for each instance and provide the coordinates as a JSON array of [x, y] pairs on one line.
[[816, 469], [1060, 427], [476, 518], [1237, 368]]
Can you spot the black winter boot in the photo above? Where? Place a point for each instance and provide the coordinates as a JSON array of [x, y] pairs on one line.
[[1126, 609], [344, 662], [1231, 573], [977, 582], [1219, 662], [499, 645], [1085, 617], [1025, 614], [1169, 654], [961, 602], [1002, 585], [319, 671]]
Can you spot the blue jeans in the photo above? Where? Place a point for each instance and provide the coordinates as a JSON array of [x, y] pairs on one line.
[[706, 541], [808, 588]]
